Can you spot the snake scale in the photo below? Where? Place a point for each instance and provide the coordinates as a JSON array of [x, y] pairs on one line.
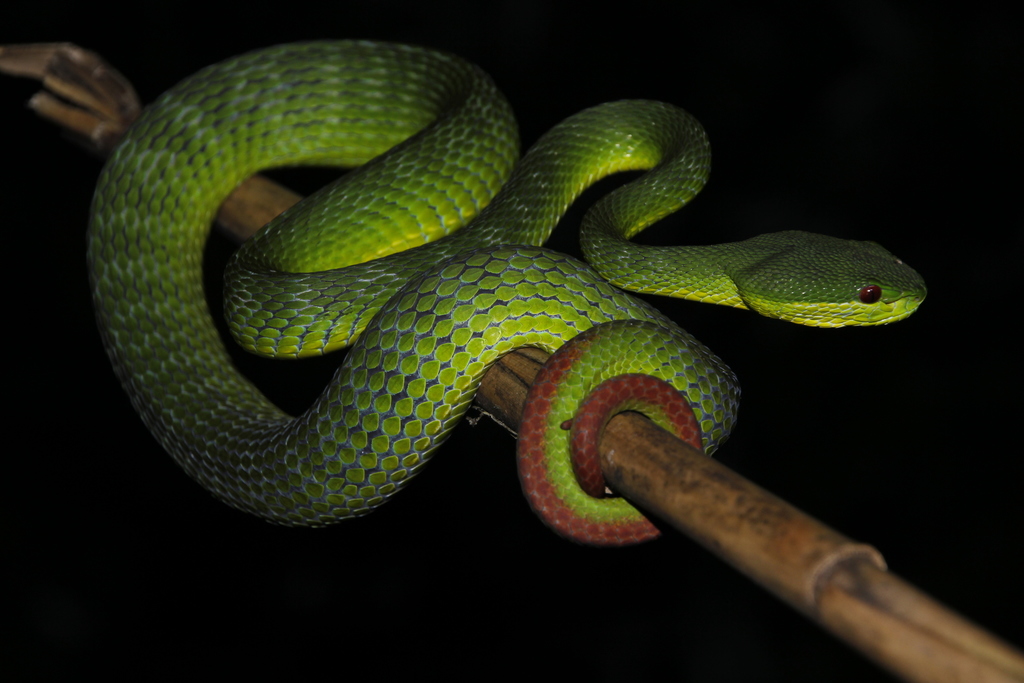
[[376, 261]]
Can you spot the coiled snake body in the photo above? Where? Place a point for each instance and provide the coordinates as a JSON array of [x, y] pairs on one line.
[[428, 321]]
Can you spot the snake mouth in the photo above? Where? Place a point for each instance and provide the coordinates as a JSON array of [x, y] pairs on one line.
[[895, 310], [849, 313]]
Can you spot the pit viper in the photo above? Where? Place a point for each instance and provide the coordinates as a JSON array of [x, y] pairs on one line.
[[377, 262]]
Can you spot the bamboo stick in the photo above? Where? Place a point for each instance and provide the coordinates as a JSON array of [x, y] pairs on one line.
[[841, 584]]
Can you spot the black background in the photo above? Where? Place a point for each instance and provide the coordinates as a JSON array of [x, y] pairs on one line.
[[869, 120]]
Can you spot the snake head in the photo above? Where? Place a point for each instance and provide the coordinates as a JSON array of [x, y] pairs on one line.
[[824, 281]]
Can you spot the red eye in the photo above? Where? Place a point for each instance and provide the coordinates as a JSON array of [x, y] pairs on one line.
[[870, 294]]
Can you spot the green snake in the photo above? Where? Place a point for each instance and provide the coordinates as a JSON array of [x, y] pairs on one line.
[[377, 261]]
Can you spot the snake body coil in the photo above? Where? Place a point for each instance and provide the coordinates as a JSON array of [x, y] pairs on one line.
[[426, 323]]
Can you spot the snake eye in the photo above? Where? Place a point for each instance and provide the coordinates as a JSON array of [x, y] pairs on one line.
[[870, 294]]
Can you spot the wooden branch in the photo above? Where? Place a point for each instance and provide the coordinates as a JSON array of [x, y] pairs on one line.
[[83, 94], [841, 584], [92, 102]]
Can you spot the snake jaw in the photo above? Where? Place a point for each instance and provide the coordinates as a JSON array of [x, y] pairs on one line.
[[846, 314], [894, 310], [891, 308]]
